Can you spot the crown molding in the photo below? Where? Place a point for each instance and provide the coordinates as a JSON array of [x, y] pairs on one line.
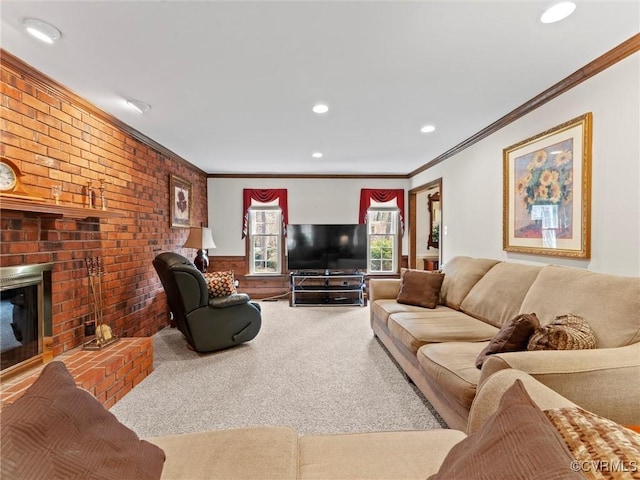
[[613, 56], [310, 175]]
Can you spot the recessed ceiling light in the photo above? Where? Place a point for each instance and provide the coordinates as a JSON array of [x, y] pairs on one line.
[[43, 31], [138, 106], [558, 12], [320, 108], [427, 129], [316, 155]]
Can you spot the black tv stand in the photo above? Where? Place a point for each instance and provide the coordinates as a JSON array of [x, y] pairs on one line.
[[330, 288]]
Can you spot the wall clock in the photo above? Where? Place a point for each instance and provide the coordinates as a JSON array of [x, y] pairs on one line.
[[11, 181]]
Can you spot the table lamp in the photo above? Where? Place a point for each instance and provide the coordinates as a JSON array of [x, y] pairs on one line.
[[201, 239]]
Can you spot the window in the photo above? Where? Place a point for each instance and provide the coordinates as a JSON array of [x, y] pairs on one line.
[[382, 229], [265, 240]]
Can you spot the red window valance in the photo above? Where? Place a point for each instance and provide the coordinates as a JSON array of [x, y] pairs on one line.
[[263, 195], [381, 195]]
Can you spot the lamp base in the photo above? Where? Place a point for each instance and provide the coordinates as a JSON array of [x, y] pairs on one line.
[[201, 261]]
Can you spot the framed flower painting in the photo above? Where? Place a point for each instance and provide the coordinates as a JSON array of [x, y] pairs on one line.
[[547, 192], [180, 193]]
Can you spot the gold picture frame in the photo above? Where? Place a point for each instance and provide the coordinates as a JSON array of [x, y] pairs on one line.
[[180, 206], [547, 192]]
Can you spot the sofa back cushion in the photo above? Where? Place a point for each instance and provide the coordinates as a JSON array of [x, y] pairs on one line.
[[609, 303], [498, 295], [460, 275]]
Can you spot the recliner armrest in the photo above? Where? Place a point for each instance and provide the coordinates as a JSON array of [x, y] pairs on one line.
[[229, 300]]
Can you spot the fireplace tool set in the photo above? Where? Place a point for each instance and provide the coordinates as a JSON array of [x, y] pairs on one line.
[[97, 334]]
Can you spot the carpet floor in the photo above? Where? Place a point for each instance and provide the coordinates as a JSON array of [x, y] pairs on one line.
[[318, 369]]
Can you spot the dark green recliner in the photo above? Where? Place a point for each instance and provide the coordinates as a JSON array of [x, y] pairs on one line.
[[208, 324]]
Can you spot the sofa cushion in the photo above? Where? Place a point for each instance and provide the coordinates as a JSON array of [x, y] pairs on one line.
[[384, 307], [420, 288], [57, 430], [377, 455], [609, 303], [512, 337], [451, 368], [238, 453], [566, 332], [461, 274], [497, 296], [592, 438], [414, 329], [220, 284], [517, 441]]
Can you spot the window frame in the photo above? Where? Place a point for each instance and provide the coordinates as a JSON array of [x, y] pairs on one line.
[[250, 240], [397, 240]]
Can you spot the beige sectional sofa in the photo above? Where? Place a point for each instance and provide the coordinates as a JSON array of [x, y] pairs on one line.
[[518, 428], [280, 453], [437, 348]]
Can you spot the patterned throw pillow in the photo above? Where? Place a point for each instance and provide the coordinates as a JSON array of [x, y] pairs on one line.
[[566, 332], [57, 430], [601, 447], [220, 284]]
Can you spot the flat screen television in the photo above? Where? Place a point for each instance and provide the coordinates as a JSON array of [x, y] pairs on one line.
[[327, 247]]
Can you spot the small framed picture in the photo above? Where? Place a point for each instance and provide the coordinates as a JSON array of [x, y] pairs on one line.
[[547, 192], [180, 194]]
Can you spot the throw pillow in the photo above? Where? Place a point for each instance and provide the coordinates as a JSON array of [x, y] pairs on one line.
[[420, 288], [517, 441], [566, 332], [220, 284], [512, 337], [602, 448], [57, 430]]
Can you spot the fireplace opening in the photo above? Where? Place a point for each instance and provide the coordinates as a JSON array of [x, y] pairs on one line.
[[25, 317]]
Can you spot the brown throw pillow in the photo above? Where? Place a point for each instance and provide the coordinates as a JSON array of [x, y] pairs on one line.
[[220, 284], [512, 337], [57, 430], [517, 441], [566, 332], [420, 288]]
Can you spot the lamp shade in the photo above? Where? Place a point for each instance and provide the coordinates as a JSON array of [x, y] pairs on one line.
[[200, 238]]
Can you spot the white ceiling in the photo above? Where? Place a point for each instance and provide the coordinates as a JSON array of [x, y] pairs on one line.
[[232, 83]]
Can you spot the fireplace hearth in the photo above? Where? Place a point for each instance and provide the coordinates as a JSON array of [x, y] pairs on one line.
[[25, 317]]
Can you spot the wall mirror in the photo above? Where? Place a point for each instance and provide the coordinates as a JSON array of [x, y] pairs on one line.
[[434, 214]]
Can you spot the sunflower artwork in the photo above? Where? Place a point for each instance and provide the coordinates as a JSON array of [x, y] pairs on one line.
[[547, 192], [544, 192]]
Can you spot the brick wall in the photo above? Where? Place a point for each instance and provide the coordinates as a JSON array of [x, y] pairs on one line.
[[58, 138], [257, 287]]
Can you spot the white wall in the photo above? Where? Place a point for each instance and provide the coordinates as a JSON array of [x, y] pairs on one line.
[[472, 180], [310, 201], [472, 183]]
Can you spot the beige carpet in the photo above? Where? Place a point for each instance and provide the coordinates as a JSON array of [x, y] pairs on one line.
[[318, 369]]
